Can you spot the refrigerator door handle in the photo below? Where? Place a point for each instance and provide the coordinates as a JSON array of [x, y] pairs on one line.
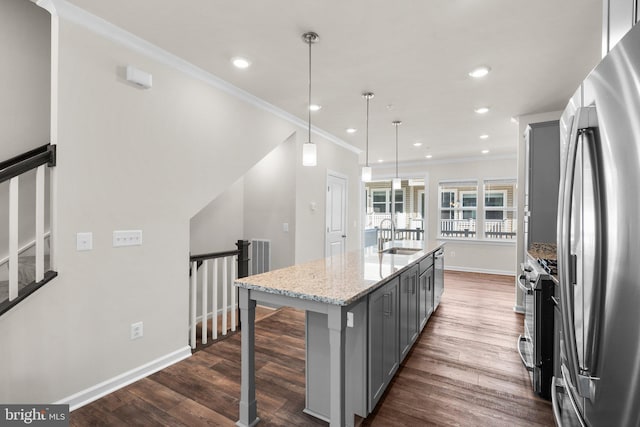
[[595, 318], [585, 119]]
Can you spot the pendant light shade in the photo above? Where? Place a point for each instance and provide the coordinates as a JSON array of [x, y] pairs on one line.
[[309, 154], [396, 183], [366, 169], [366, 174], [309, 151]]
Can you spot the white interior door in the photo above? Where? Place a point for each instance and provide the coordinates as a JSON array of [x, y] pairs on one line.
[[336, 218]]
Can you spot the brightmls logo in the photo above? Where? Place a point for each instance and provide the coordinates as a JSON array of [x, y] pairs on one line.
[[35, 415]]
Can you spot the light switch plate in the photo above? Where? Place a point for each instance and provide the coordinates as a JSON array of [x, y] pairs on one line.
[[127, 238], [84, 241]]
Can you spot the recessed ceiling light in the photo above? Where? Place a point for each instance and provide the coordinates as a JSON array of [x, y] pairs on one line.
[[380, 160], [240, 62], [351, 130], [417, 144], [315, 107], [485, 136], [428, 156], [482, 110], [485, 151], [480, 72]]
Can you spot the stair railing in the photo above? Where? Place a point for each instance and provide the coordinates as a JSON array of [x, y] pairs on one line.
[[11, 170], [225, 267]]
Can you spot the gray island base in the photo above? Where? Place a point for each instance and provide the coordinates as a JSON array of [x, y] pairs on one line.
[[364, 310]]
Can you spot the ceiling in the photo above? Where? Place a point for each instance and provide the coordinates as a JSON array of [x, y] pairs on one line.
[[414, 55]]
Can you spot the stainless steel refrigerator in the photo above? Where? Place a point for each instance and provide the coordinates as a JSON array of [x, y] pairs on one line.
[[598, 380]]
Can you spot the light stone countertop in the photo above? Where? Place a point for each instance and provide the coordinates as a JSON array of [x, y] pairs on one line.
[[338, 280]]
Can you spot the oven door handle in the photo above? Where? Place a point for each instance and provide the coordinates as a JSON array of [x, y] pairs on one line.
[[529, 367], [522, 284]]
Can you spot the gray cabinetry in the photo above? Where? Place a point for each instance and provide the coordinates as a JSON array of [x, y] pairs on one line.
[[383, 339], [425, 296], [542, 179], [408, 310]]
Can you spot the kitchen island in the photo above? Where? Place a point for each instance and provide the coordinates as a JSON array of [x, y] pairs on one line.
[[338, 295]]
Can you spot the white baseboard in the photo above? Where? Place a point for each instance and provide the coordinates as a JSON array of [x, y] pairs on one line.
[[480, 270], [519, 309], [97, 391]]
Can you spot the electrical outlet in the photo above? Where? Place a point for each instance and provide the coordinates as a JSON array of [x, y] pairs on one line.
[[349, 319], [127, 238], [451, 253], [137, 330]]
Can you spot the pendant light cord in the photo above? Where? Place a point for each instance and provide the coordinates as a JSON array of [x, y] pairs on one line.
[[309, 106], [397, 149], [367, 134]]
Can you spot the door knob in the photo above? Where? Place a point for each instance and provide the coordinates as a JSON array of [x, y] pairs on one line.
[[344, 236]]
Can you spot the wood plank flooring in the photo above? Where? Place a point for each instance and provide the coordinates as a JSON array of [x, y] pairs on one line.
[[463, 371]]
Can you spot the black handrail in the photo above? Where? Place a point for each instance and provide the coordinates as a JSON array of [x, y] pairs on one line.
[[15, 166], [22, 163], [213, 255], [242, 252]]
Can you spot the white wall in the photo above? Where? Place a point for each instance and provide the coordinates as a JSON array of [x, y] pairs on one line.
[[219, 225], [127, 158], [478, 255], [311, 187], [269, 202], [141, 159], [25, 40]]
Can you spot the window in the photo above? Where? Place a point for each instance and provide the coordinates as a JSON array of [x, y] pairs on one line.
[[458, 209], [379, 201], [500, 220], [399, 201]]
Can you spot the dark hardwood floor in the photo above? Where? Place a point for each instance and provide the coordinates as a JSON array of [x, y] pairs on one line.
[[464, 370]]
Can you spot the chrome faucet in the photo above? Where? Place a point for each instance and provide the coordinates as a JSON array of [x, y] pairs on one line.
[[393, 234]]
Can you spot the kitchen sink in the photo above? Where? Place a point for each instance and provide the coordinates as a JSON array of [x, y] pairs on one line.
[[401, 251]]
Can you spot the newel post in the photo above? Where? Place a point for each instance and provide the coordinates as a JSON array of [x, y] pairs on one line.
[[243, 258]]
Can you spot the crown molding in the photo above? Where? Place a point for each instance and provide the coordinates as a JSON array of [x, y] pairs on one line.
[[453, 160], [72, 13]]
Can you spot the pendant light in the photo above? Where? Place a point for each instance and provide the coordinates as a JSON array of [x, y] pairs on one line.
[[397, 183], [366, 169], [309, 153]]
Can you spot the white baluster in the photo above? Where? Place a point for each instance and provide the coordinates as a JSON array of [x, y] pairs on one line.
[[225, 299], [214, 297], [205, 285], [14, 186], [192, 307], [233, 294], [40, 223]]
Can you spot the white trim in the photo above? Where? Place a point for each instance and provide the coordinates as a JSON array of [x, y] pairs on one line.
[[345, 207], [389, 165], [479, 270], [97, 391], [519, 309], [109, 31]]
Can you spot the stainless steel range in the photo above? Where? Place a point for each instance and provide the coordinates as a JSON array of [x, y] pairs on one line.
[[535, 345]]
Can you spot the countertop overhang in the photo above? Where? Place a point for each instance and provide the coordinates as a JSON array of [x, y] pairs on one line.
[[342, 279]]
